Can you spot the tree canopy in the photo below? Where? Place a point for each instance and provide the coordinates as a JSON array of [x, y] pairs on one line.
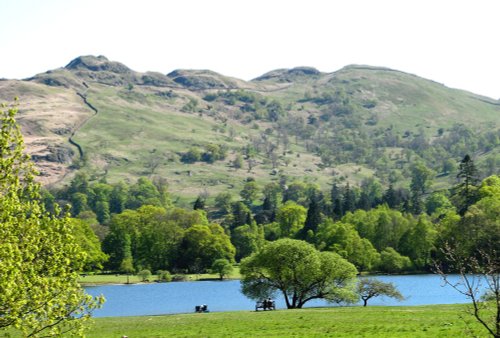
[[39, 259], [299, 272]]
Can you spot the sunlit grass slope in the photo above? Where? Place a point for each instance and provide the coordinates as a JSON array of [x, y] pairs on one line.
[[419, 321]]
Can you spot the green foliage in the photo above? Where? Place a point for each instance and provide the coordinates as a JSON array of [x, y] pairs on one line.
[[343, 239], [144, 275], [465, 193], [223, 202], [421, 179], [201, 245], [298, 271], [382, 226], [247, 239], [438, 204], [144, 192], [371, 287], [249, 192], [164, 276], [90, 244], [479, 229], [127, 263], [39, 258], [154, 235], [211, 153], [418, 243], [240, 215], [222, 267], [391, 261], [192, 156], [291, 217], [313, 219]]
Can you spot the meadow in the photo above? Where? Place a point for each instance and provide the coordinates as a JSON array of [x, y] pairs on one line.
[[102, 279], [414, 321]]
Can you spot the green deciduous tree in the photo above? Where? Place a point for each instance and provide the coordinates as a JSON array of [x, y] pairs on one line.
[[343, 239], [90, 244], [392, 261], [299, 272], [247, 239], [421, 180], [479, 229], [249, 192], [222, 267], [418, 243], [201, 245], [291, 217], [39, 260], [372, 287]]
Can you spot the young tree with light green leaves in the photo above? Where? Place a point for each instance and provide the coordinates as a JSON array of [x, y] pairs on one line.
[[39, 259], [299, 272], [222, 267]]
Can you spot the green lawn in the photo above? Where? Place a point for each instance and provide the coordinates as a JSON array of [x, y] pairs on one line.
[[416, 321], [122, 279]]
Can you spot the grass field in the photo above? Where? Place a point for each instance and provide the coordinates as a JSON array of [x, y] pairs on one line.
[[133, 279], [415, 321]]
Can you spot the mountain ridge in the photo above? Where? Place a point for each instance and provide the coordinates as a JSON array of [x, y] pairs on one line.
[[385, 110]]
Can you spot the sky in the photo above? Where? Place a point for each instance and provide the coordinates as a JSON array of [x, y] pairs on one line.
[[451, 42]]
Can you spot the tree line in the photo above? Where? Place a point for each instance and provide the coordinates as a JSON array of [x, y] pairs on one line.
[[376, 229]]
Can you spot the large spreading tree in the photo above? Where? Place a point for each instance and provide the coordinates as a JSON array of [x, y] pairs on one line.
[[299, 272], [39, 259]]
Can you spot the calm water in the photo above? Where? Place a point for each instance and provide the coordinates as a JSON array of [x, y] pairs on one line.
[[181, 297]]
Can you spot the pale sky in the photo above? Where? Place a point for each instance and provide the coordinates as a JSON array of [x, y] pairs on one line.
[[452, 42]]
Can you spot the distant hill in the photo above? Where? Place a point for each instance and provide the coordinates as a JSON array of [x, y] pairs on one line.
[[102, 117]]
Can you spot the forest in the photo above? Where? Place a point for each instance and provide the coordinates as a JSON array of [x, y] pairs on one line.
[[131, 227]]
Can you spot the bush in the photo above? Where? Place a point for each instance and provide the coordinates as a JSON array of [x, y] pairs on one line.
[[164, 276], [144, 275], [192, 156]]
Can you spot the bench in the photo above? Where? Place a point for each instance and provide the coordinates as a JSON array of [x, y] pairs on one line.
[[201, 308], [265, 305]]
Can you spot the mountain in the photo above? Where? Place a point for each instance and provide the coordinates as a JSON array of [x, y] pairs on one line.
[[100, 116]]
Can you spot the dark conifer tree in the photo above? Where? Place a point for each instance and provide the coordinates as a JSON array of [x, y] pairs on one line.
[[465, 193], [390, 197], [336, 207], [199, 204], [349, 201], [313, 218]]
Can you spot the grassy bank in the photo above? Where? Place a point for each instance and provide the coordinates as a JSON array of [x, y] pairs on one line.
[[133, 279], [415, 321]]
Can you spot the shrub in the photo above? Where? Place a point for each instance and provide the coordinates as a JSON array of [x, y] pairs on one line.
[[164, 276], [144, 275]]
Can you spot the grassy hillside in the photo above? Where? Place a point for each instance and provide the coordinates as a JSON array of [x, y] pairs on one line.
[[418, 321], [354, 123]]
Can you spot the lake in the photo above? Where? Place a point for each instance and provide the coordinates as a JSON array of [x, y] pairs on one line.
[[181, 297]]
